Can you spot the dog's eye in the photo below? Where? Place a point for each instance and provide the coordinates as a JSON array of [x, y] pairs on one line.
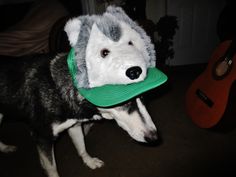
[[104, 53], [130, 43]]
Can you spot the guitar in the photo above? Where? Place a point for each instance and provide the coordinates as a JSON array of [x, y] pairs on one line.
[[207, 97]]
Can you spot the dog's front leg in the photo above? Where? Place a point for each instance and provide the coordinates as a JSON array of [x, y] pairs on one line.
[[86, 128], [46, 156], [77, 137]]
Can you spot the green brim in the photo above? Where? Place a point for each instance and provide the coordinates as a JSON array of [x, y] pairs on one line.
[[110, 95]]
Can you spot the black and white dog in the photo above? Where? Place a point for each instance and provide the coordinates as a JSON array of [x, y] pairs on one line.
[[40, 87]]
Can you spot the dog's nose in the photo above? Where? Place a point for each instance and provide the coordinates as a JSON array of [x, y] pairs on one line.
[[133, 72], [151, 137]]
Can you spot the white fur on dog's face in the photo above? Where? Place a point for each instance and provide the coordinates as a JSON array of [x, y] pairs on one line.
[[123, 54], [137, 123]]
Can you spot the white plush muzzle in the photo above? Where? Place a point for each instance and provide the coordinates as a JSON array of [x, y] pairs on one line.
[[115, 62]]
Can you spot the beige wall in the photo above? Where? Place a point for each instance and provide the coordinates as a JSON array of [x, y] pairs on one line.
[[155, 9]]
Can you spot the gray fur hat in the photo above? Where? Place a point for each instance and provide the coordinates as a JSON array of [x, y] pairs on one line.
[[107, 46]]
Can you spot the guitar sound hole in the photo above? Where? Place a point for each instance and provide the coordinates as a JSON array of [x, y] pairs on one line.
[[222, 68]]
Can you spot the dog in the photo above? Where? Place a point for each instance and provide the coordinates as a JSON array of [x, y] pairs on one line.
[[41, 89]]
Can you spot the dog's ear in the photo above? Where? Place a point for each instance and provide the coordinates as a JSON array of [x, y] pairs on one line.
[[72, 28]]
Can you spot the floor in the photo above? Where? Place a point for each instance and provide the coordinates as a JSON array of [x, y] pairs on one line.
[[184, 150]]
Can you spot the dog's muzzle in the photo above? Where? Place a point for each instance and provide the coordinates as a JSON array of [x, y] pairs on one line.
[[151, 137], [133, 72]]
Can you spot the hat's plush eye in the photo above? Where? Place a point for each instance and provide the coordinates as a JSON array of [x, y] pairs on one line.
[[130, 43], [104, 53]]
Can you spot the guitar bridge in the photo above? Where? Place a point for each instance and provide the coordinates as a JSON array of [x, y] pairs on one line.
[[204, 98]]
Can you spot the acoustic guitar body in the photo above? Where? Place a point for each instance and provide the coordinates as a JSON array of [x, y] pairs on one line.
[[207, 97]]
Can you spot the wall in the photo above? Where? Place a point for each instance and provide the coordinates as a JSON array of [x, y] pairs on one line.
[[196, 38], [155, 9]]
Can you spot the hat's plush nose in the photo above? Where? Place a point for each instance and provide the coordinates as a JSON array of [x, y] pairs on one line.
[[133, 72]]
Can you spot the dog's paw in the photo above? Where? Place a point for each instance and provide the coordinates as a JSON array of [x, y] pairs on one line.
[[7, 148], [97, 117], [93, 163]]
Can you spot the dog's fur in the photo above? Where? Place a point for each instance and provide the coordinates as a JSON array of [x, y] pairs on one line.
[[40, 88]]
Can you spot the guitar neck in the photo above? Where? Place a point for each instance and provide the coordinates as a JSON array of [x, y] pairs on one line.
[[230, 52]]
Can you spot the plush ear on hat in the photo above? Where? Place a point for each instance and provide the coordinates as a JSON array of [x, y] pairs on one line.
[[121, 15], [78, 63], [72, 28]]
